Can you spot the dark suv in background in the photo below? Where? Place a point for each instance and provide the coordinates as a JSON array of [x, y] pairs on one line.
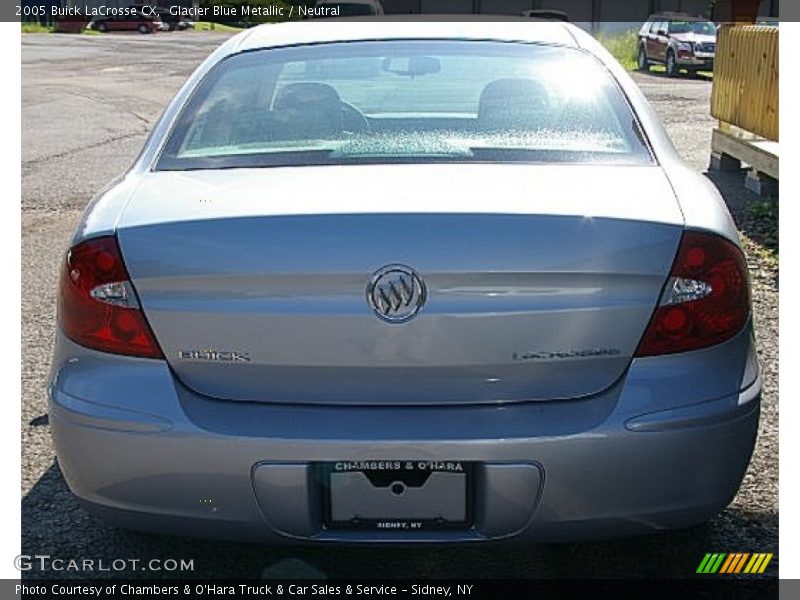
[[140, 23], [677, 41]]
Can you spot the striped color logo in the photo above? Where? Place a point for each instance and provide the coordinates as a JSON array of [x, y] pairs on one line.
[[734, 562]]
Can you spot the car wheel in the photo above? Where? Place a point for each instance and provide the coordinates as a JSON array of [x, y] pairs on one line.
[[144, 29], [672, 65], [644, 64], [102, 27]]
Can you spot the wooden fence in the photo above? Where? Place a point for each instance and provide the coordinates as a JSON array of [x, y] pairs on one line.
[[745, 91]]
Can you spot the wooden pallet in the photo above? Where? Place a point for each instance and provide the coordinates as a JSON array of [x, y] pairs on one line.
[[732, 147]]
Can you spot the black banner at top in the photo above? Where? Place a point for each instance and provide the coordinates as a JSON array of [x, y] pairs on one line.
[[248, 12]]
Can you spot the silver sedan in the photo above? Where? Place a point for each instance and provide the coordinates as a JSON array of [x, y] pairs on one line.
[[406, 282]]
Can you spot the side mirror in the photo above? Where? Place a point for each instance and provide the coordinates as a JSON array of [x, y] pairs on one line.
[[662, 32]]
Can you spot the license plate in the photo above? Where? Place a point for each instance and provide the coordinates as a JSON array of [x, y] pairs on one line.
[[389, 495]]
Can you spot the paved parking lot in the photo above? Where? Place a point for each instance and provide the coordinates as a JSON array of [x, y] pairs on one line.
[[87, 105]]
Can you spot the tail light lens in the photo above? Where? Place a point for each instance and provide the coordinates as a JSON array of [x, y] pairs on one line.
[[706, 300], [97, 306]]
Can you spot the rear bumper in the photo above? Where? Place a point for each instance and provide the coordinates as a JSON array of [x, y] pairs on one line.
[[142, 451]]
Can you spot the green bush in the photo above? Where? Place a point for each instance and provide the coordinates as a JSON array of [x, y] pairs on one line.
[[623, 46], [36, 28], [209, 26]]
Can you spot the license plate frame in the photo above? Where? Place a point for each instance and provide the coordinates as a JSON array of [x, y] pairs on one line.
[[448, 477]]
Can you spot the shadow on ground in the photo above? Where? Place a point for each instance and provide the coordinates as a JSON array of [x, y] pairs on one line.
[[756, 217], [54, 524], [662, 74]]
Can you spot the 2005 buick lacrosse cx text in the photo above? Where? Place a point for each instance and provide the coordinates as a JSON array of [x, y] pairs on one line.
[[391, 282]]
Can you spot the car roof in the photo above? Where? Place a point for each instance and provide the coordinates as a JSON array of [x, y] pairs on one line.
[[403, 27]]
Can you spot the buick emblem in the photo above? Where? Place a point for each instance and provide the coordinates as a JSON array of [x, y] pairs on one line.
[[396, 293]]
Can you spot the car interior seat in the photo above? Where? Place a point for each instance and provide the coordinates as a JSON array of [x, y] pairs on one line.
[[514, 104], [307, 111]]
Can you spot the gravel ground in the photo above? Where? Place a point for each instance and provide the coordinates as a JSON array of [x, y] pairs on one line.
[[88, 102]]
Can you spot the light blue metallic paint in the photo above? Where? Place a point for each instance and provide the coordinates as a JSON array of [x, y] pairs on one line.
[[636, 445], [623, 462]]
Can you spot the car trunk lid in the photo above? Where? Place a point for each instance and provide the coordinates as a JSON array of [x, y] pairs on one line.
[[539, 280]]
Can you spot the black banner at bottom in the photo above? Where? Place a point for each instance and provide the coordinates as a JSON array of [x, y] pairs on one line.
[[583, 589]]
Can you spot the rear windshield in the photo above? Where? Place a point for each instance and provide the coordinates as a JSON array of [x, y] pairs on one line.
[[405, 101]]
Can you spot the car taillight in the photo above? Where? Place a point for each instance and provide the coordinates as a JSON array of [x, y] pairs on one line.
[[706, 300], [97, 306]]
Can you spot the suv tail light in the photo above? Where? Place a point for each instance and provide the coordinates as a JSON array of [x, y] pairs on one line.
[[706, 300], [97, 306]]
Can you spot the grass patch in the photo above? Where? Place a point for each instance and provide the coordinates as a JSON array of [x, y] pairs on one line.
[[36, 28], [209, 26], [622, 46]]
